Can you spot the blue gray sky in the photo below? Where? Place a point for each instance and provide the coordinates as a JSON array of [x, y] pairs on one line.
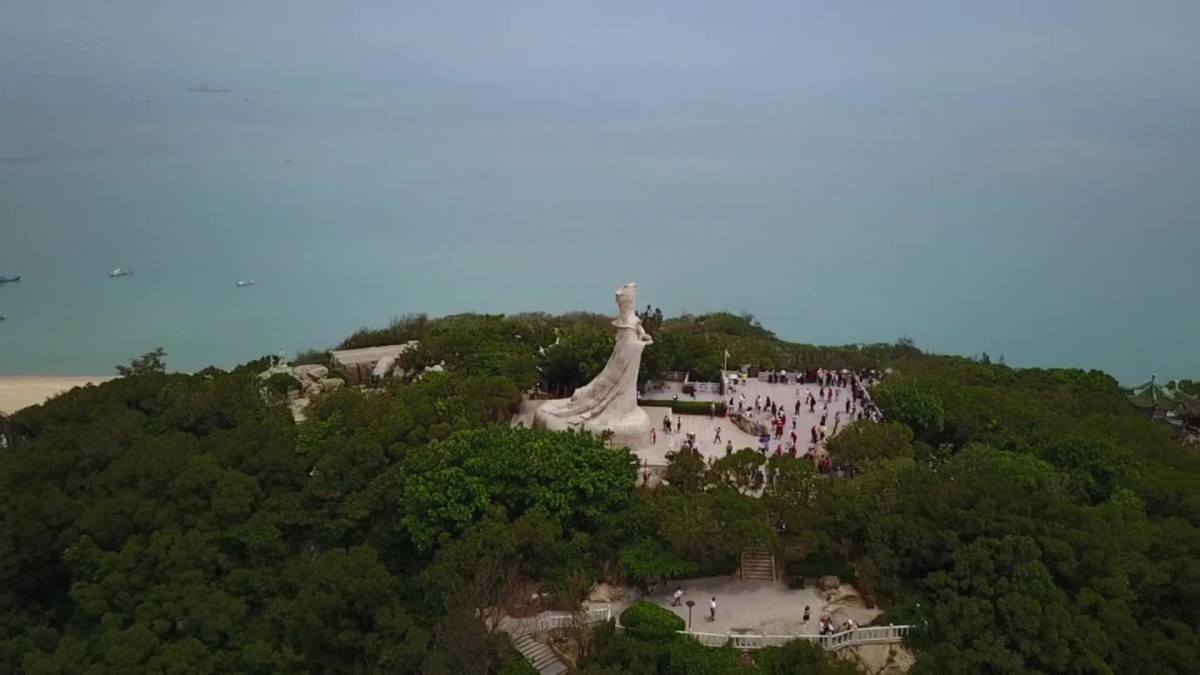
[[1017, 178]]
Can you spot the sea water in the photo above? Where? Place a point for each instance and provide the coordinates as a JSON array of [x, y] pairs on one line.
[[361, 168]]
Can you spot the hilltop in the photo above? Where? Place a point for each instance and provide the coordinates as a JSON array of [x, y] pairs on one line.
[[1023, 520]]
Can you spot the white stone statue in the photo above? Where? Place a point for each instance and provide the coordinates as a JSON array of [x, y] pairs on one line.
[[609, 402]]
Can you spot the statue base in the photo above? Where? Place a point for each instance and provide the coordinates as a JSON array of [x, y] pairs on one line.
[[631, 431]]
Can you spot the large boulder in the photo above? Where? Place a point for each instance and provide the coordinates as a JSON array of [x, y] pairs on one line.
[[828, 583], [313, 390], [331, 383], [311, 372]]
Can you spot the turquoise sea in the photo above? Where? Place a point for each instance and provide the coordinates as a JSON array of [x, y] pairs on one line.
[[1023, 200]]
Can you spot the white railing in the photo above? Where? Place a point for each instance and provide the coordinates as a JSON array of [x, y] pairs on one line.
[[709, 639], [834, 642], [547, 621]]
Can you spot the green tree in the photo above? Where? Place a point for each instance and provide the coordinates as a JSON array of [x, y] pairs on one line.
[[919, 410], [862, 443], [148, 363], [578, 355], [738, 469]]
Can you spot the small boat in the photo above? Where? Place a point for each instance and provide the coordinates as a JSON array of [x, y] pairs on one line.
[[205, 89], [243, 284], [10, 280], [120, 272]]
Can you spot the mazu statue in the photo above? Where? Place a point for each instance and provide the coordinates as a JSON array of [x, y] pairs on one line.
[[609, 402]]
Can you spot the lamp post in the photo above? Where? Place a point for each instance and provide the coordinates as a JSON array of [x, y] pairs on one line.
[[690, 604]]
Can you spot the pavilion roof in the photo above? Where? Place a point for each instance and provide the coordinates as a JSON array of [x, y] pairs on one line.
[[1152, 395]]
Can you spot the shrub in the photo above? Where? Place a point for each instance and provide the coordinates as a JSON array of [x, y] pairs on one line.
[[655, 403], [683, 407], [820, 563], [281, 383], [920, 411], [313, 357], [696, 408], [648, 621], [649, 560]]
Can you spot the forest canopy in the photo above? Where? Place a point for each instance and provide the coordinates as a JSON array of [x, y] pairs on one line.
[[1024, 520]]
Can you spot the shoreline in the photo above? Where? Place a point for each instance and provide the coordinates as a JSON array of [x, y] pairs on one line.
[[22, 391]]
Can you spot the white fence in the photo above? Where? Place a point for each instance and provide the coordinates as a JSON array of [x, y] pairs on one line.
[[858, 636], [547, 621]]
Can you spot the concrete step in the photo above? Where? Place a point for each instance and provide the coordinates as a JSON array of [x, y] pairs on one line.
[[544, 659], [758, 566]]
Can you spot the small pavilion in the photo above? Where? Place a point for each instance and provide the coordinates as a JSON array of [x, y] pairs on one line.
[[1165, 403]]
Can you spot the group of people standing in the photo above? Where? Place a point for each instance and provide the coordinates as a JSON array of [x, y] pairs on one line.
[[843, 397]]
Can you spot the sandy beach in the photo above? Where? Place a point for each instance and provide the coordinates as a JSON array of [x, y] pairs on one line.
[[20, 391]]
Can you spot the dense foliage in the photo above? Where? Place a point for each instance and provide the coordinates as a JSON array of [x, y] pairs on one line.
[[1023, 520], [565, 351], [655, 653], [1051, 530]]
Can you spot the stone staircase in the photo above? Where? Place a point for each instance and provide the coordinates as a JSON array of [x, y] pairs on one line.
[[757, 566], [540, 655]]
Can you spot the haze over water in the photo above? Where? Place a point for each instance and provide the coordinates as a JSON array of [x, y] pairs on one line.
[[1020, 179]]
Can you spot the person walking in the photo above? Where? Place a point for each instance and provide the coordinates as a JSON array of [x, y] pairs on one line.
[[712, 609], [717, 438], [653, 436], [677, 596], [807, 614]]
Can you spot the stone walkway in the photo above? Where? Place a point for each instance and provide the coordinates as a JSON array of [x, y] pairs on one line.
[[762, 607]]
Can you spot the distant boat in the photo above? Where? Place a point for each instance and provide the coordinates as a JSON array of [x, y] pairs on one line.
[[10, 280], [205, 89], [120, 272], [243, 284], [3, 317]]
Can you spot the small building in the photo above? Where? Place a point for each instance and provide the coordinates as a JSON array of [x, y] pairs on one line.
[[370, 365], [1168, 404]]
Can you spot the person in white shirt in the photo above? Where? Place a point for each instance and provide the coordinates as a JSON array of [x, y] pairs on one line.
[[712, 609]]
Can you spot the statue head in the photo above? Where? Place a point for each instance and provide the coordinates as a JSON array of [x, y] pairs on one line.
[[627, 306], [627, 299]]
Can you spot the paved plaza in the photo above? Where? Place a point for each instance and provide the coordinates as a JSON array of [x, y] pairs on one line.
[[654, 454], [705, 428], [762, 607]]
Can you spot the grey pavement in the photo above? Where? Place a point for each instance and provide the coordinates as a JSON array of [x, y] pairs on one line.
[[763, 607]]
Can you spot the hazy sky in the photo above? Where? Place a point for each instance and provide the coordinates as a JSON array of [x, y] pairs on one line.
[[1016, 177]]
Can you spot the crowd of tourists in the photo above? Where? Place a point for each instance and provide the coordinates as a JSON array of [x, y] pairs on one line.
[[836, 398], [772, 416]]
